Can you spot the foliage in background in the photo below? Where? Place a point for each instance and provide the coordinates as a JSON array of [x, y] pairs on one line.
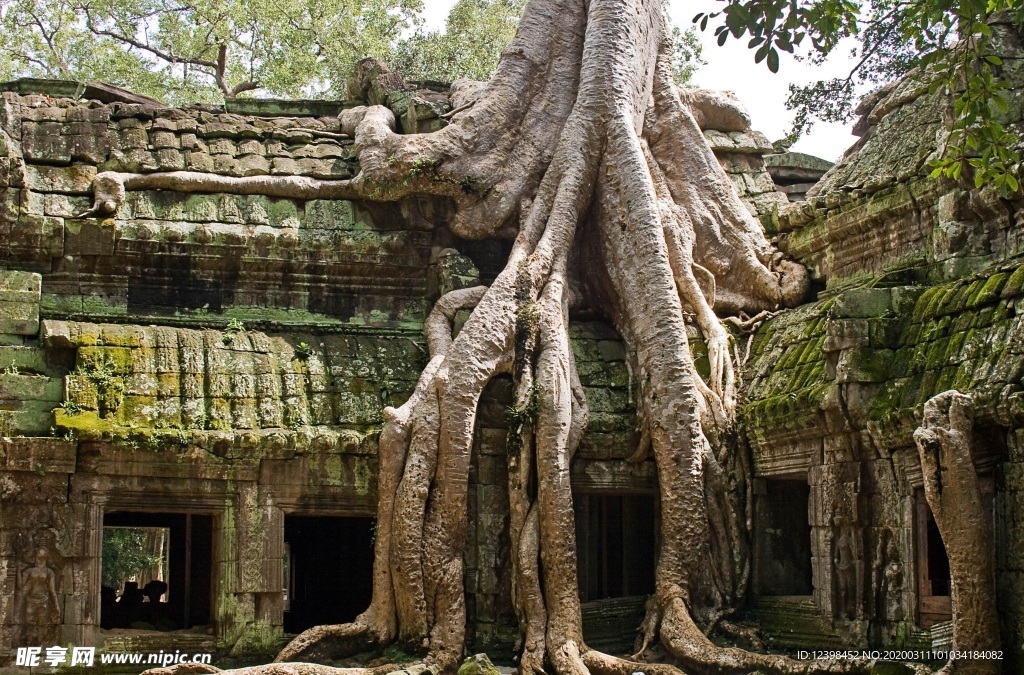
[[125, 554], [687, 56], [475, 34], [944, 41], [201, 51]]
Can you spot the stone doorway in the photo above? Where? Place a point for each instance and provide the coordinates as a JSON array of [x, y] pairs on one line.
[[188, 575], [615, 540], [782, 537], [328, 570], [933, 586]]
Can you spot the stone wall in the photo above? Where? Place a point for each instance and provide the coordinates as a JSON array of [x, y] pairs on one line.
[[918, 282], [249, 426]]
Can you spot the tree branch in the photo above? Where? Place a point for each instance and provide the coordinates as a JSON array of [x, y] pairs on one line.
[[166, 56], [242, 87]]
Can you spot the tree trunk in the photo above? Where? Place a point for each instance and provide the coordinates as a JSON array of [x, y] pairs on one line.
[[954, 496]]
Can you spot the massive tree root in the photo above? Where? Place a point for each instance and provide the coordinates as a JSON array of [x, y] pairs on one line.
[[954, 496], [580, 148]]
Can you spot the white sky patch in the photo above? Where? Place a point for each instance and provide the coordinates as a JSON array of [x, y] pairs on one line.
[[732, 67]]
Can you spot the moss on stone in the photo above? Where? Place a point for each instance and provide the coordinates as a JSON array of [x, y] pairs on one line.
[[988, 292], [86, 425], [1014, 284], [923, 308]]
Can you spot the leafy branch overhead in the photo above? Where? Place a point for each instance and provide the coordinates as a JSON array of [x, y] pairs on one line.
[[947, 43], [189, 51], [201, 50]]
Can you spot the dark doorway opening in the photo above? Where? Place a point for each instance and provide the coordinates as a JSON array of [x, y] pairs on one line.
[[615, 540], [188, 573], [329, 570], [933, 600], [782, 537]]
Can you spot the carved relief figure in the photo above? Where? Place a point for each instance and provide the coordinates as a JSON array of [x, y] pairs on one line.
[[38, 610], [887, 578], [845, 561], [892, 583]]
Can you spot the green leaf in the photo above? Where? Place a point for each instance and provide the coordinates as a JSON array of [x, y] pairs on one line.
[[773, 61]]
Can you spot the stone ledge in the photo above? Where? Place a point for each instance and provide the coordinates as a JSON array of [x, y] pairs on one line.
[[38, 455]]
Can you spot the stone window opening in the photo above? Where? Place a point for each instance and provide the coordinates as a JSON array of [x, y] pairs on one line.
[[328, 569], [934, 603], [172, 594], [137, 555]]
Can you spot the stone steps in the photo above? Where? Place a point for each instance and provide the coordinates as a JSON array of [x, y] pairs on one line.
[[610, 625], [793, 622]]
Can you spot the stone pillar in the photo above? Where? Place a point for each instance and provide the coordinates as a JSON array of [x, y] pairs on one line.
[[838, 541], [258, 591]]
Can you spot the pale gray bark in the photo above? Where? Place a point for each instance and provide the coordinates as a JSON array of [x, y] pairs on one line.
[[953, 494]]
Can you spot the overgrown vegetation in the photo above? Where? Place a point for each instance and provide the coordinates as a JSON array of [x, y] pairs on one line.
[[126, 554], [303, 351], [233, 328]]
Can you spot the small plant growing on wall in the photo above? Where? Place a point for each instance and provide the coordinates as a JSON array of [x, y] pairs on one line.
[[103, 373], [303, 351], [70, 407], [234, 327]]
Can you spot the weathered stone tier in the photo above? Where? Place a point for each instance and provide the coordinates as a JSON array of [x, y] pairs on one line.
[[879, 212]]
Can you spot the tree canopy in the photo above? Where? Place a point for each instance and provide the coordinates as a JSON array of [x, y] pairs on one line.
[[943, 41], [201, 50], [186, 51]]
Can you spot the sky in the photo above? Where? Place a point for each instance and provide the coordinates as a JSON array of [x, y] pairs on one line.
[[732, 67]]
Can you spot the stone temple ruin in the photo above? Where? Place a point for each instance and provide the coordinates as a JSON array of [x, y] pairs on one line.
[[215, 366]]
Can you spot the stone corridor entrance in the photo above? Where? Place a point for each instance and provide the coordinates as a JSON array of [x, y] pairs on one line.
[[933, 600], [782, 537], [328, 570], [186, 602], [615, 539]]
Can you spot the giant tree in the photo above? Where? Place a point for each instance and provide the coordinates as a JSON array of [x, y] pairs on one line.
[[582, 151]]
